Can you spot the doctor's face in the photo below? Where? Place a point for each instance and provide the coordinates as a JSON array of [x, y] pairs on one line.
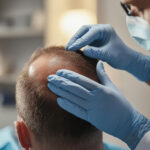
[[140, 4]]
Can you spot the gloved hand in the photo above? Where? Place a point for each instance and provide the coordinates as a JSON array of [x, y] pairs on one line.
[[102, 105], [104, 44]]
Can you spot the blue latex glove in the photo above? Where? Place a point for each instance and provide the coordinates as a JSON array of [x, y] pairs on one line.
[[104, 44], [102, 105]]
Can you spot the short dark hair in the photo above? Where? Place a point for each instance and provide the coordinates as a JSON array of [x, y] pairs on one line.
[[44, 117]]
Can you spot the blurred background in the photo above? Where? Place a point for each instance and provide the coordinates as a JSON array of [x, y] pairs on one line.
[[26, 25]]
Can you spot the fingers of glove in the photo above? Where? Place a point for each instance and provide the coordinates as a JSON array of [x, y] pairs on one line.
[[67, 95], [83, 30], [97, 53], [72, 108], [68, 86], [103, 77], [85, 39], [78, 79]]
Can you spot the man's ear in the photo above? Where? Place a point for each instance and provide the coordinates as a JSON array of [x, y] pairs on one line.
[[23, 135]]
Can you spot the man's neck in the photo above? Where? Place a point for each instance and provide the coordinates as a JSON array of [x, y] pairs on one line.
[[98, 147], [101, 147]]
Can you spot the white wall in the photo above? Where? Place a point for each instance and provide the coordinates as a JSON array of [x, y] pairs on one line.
[[138, 93]]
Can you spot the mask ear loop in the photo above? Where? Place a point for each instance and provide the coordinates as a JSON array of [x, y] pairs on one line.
[[126, 8]]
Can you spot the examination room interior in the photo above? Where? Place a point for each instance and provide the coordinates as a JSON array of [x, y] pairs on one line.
[[26, 25]]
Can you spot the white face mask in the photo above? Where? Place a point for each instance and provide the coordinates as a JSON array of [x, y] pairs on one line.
[[139, 30]]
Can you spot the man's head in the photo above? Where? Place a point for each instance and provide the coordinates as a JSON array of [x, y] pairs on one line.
[[42, 124]]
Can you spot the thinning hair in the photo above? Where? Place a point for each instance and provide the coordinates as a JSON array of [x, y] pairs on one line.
[[41, 113]]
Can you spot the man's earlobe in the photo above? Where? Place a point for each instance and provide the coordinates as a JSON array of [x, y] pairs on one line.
[[23, 135]]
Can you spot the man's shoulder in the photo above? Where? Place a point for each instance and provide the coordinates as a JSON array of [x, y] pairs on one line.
[[8, 140], [108, 146]]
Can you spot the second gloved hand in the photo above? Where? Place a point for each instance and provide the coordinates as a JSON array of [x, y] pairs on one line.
[[103, 43], [102, 105]]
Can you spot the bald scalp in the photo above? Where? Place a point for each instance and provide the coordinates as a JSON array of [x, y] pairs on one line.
[[48, 64], [37, 106]]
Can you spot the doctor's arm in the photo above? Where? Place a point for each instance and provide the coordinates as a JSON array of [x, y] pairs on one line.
[[101, 42], [102, 105]]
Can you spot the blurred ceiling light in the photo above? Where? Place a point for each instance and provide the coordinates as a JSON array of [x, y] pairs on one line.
[[73, 19]]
